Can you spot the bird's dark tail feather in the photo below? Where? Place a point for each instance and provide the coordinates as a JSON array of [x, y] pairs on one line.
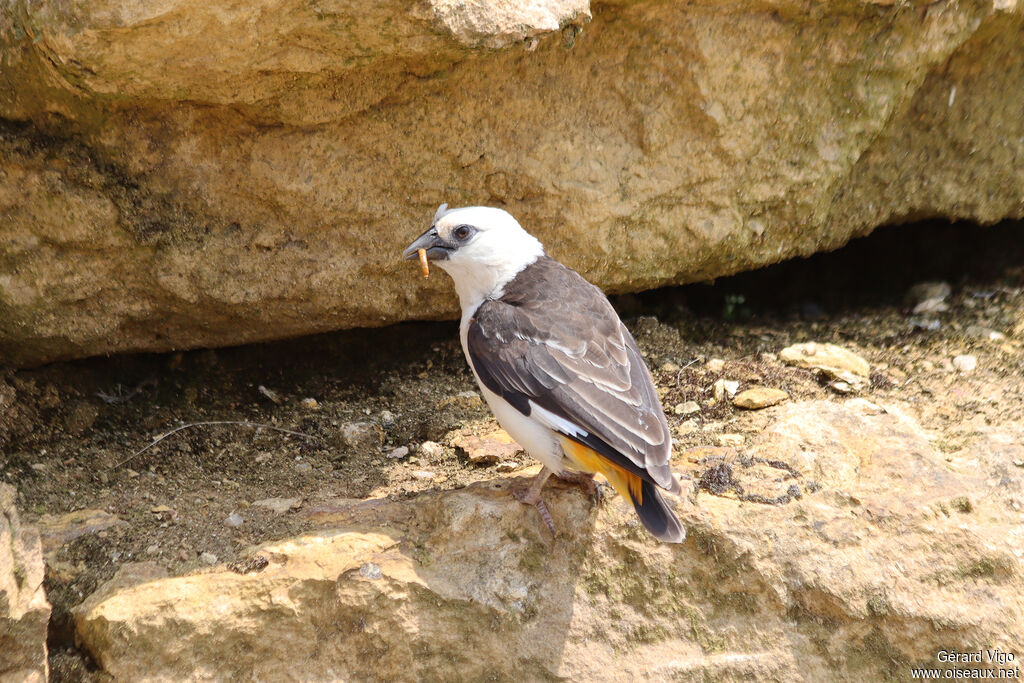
[[657, 516]]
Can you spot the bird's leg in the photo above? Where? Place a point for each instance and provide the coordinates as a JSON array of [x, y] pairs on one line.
[[585, 480], [531, 496]]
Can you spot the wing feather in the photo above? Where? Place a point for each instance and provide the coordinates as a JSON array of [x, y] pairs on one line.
[[572, 357]]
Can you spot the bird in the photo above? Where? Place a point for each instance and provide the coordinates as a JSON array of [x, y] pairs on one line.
[[558, 368]]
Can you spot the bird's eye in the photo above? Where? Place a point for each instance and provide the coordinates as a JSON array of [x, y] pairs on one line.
[[462, 232]]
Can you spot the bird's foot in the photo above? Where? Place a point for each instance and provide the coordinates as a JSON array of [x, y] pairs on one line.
[[586, 481], [524, 497], [531, 496]]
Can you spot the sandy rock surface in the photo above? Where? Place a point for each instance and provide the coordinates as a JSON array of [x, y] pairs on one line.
[[181, 174], [879, 551], [24, 610]]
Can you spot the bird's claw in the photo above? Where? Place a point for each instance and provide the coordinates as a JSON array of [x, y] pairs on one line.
[[586, 481], [529, 497]]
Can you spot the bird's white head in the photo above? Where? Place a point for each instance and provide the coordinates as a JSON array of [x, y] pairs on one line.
[[482, 248]]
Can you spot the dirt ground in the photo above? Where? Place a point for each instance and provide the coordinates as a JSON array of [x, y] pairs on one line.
[[72, 434]]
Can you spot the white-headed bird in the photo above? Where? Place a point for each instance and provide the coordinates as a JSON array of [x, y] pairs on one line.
[[560, 371]]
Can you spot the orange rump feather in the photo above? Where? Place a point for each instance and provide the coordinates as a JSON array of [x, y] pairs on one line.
[[587, 459]]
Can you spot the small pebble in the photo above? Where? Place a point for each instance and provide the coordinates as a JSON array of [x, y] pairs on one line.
[[208, 558], [1018, 463], [930, 306], [724, 388], [423, 475], [278, 506], [234, 520], [303, 466], [927, 324], [716, 365], [431, 450], [507, 466], [965, 363], [669, 367], [835, 360], [686, 408], [841, 387], [361, 436], [399, 452], [310, 403], [928, 293], [985, 333], [684, 428], [387, 418], [269, 393], [39, 466], [759, 397]]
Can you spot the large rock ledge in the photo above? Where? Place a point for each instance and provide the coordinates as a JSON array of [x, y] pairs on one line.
[[181, 174], [24, 610], [890, 555]]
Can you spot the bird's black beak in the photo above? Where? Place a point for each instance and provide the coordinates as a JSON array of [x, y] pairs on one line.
[[437, 248]]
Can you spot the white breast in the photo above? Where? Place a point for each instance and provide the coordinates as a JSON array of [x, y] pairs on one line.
[[538, 440]]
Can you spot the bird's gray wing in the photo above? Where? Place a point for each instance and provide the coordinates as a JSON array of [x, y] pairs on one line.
[[555, 349]]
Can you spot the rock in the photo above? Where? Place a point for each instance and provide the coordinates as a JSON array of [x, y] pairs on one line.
[[127, 576], [208, 558], [826, 357], [24, 610], [847, 371], [686, 408], [398, 453], [310, 403], [724, 388], [362, 436], [923, 291], [928, 324], [309, 191], [928, 297], [278, 506], [879, 538], [432, 451], [484, 444], [686, 427], [234, 520], [512, 466], [843, 387], [759, 397], [930, 306], [985, 333], [423, 475], [57, 531], [270, 394], [716, 365], [730, 440], [965, 363]]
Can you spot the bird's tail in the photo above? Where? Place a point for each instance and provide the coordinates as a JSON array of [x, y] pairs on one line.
[[656, 515], [652, 509]]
